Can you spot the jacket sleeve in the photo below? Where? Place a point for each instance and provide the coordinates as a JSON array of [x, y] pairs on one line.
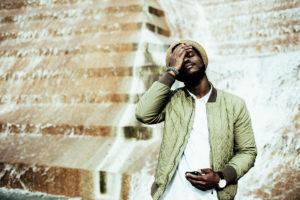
[[151, 107], [244, 146]]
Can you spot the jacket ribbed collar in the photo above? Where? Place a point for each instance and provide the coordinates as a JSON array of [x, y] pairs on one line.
[[213, 95]]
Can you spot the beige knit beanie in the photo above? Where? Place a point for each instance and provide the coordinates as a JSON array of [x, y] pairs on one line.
[[197, 46]]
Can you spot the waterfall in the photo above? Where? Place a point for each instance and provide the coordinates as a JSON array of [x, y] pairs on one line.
[[72, 71]]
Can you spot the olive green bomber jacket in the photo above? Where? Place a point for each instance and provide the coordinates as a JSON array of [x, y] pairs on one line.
[[233, 148]]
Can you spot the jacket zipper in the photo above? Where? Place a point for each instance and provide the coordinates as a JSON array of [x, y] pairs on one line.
[[178, 151]]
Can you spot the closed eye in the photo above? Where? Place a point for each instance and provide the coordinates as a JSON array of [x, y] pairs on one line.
[[190, 55]]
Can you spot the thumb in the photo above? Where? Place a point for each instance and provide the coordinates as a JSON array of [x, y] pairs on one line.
[[206, 171]]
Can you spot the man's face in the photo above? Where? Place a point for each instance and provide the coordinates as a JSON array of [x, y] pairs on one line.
[[192, 67]]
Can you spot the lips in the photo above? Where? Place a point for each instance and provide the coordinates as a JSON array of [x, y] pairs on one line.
[[188, 66]]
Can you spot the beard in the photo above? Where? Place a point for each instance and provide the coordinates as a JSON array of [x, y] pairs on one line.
[[193, 77]]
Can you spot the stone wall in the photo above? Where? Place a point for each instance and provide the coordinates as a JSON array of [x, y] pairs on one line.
[[71, 72]]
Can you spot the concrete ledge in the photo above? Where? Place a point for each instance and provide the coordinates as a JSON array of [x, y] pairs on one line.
[[128, 132], [18, 52]]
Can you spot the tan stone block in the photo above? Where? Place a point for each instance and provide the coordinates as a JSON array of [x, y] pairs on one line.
[[4, 176], [66, 181], [71, 87], [88, 115], [27, 176], [45, 180], [125, 186], [87, 184]]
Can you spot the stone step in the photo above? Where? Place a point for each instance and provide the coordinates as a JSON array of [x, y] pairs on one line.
[[19, 194], [15, 4], [84, 98], [106, 22], [270, 30], [54, 13], [243, 8], [62, 183], [104, 114], [87, 167], [261, 47], [24, 36], [71, 4], [54, 180], [66, 87], [128, 132], [48, 73], [255, 21], [257, 37], [94, 64], [49, 49], [217, 2], [90, 40], [80, 152]]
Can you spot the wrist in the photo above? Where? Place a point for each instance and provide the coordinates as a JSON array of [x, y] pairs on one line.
[[222, 181], [167, 78], [173, 71]]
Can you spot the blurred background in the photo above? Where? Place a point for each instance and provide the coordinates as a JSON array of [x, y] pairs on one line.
[[71, 72]]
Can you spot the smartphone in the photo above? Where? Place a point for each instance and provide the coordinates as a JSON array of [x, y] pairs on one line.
[[195, 173]]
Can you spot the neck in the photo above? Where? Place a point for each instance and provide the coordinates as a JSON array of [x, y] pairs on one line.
[[198, 87]]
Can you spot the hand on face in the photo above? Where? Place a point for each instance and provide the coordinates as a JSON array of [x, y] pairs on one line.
[[177, 56], [204, 182]]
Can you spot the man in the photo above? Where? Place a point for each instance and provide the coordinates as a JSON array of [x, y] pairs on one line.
[[208, 142]]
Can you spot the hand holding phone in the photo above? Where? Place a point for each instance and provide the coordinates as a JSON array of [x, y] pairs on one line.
[[198, 180]]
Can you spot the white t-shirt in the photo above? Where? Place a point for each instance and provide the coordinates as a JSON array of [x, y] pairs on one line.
[[195, 157]]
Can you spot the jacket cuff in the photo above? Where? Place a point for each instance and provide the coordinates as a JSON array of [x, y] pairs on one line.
[[167, 79], [229, 174]]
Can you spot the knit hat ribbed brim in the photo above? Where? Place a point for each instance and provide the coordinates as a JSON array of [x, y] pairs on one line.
[[196, 45]]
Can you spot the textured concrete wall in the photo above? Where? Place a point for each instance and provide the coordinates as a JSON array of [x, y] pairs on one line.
[[71, 72]]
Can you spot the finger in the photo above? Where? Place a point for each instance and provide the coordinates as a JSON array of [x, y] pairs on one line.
[[199, 178], [200, 171], [195, 182], [181, 49], [188, 50], [189, 175], [181, 53], [195, 177], [201, 187], [177, 52], [187, 47], [178, 47], [182, 46]]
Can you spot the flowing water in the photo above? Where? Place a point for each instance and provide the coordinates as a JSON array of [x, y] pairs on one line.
[[72, 71]]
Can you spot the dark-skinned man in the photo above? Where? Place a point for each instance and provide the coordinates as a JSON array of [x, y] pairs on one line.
[[208, 141]]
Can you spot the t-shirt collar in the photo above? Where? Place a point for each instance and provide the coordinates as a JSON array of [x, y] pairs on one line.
[[204, 98]]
